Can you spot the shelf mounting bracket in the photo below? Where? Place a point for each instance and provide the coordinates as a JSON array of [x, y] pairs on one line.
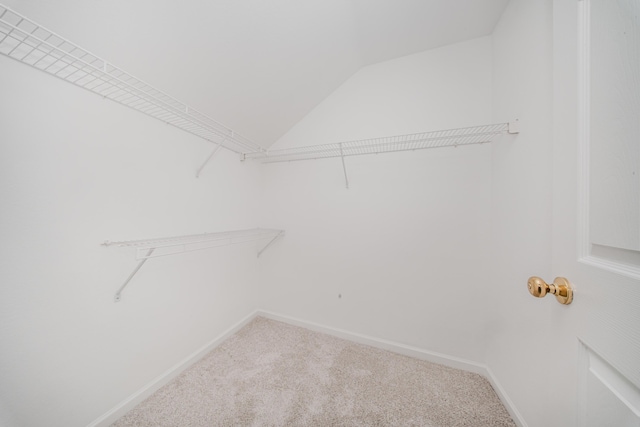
[[133, 273], [514, 127], [271, 242], [344, 167], [213, 153]]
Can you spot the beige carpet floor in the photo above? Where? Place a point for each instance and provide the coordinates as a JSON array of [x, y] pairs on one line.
[[274, 374]]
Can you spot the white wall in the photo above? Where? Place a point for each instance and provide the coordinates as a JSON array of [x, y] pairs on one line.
[[76, 170], [521, 207], [406, 246]]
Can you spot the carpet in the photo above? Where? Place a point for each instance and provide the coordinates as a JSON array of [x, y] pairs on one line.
[[274, 374]]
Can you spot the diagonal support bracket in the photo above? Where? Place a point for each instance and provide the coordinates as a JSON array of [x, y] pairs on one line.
[[133, 273], [271, 242], [213, 153], [344, 167]]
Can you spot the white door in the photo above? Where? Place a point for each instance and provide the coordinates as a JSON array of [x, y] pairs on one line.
[[595, 353]]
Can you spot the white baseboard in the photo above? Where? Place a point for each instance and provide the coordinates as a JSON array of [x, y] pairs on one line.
[[406, 350], [418, 353], [132, 401], [504, 397]]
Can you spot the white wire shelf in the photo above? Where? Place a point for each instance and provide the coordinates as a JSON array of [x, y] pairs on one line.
[[410, 142], [25, 41], [194, 242], [152, 248]]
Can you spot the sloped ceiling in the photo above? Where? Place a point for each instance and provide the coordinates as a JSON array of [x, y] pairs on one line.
[[258, 66]]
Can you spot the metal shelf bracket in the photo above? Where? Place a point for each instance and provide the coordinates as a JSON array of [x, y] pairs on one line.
[[133, 273], [344, 167], [514, 127], [271, 242], [213, 153]]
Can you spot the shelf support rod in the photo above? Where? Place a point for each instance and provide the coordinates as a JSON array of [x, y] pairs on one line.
[[213, 153], [344, 167], [133, 273], [271, 242]]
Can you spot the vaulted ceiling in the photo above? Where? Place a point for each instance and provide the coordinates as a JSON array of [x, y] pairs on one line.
[[258, 66]]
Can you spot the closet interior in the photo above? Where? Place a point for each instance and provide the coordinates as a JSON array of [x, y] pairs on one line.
[[399, 259]]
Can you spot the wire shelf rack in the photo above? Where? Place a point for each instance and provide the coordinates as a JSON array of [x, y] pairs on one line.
[[152, 248], [194, 242], [32, 44], [416, 141]]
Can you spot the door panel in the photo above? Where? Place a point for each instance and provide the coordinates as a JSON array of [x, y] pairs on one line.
[[609, 399], [596, 233], [609, 98], [611, 49]]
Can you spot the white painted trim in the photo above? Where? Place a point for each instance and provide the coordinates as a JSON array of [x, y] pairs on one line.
[[612, 266], [583, 368], [406, 350], [504, 398], [136, 398], [584, 102]]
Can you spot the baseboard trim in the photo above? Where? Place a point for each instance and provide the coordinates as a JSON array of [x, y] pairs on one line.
[[504, 397], [452, 361], [132, 401], [406, 350]]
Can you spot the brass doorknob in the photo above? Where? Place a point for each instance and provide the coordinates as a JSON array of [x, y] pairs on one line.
[[561, 288]]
